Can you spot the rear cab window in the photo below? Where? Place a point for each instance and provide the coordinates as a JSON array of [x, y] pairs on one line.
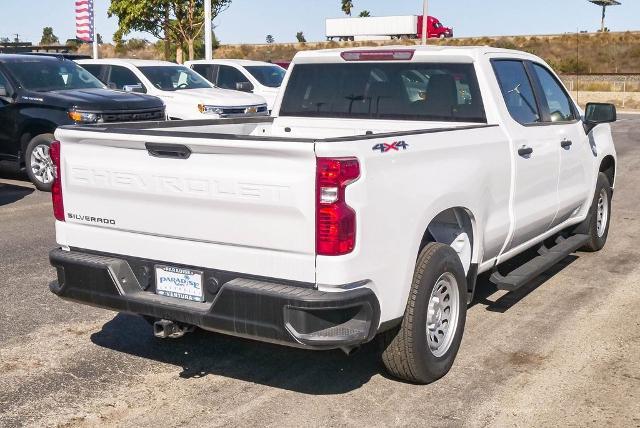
[[374, 90]]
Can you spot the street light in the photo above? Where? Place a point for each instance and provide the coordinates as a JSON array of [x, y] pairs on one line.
[[604, 4]]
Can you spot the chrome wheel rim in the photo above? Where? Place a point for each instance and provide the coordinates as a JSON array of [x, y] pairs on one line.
[[442, 314], [602, 214], [41, 164]]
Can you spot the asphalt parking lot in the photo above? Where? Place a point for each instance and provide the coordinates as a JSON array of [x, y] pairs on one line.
[[562, 351]]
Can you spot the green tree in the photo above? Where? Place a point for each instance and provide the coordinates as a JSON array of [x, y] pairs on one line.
[[365, 14], [347, 5], [48, 38], [300, 37], [270, 39], [178, 21]]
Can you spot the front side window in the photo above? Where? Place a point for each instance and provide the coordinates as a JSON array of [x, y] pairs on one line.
[[174, 78], [517, 91], [121, 77], [268, 75], [403, 91], [35, 74], [229, 77], [556, 98]]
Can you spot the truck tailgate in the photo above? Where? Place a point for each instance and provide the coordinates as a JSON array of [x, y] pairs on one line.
[[233, 202]]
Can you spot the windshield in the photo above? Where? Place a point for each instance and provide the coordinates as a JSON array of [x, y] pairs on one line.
[[174, 78], [409, 91], [267, 75], [43, 76]]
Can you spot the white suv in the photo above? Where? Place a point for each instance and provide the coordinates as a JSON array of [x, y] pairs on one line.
[[261, 78], [186, 94]]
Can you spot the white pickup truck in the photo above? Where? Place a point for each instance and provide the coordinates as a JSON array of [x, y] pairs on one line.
[[386, 182]]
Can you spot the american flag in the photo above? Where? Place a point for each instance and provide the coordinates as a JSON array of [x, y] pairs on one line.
[[84, 20]]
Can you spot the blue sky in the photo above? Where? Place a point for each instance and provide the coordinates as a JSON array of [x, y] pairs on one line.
[[249, 21]]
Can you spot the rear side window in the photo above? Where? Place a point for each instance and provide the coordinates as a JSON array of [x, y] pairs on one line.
[[403, 91], [557, 100], [517, 91]]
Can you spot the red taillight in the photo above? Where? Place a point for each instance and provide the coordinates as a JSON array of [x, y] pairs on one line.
[[56, 186], [377, 55], [335, 220]]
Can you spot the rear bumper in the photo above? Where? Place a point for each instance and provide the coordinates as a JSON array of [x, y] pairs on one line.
[[258, 309]]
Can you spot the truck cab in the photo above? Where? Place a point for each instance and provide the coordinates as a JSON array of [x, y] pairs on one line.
[[435, 28], [258, 77]]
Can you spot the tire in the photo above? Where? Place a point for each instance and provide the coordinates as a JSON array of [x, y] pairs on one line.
[[597, 223], [38, 163], [409, 353]]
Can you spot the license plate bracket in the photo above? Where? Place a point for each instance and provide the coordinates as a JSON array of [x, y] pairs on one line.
[[179, 283]]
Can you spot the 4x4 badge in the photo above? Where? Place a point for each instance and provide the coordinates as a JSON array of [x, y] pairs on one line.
[[385, 147]]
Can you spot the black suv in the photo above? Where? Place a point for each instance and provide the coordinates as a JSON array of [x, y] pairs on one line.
[[40, 93]]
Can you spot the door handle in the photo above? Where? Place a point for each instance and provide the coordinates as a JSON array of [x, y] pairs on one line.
[[175, 151], [525, 151], [565, 144]]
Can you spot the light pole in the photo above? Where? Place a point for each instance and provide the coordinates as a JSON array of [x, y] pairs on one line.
[[208, 30], [425, 21]]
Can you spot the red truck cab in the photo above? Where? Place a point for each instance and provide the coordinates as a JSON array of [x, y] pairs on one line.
[[435, 29]]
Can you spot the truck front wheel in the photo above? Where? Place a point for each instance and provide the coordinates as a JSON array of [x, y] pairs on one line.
[[38, 162], [426, 344]]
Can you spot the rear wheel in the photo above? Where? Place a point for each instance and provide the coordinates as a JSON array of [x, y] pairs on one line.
[[423, 349], [597, 223], [38, 162]]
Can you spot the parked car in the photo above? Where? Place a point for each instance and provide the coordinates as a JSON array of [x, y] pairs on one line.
[[186, 94], [261, 78], [385, 27], [38, 93], [355, 211]]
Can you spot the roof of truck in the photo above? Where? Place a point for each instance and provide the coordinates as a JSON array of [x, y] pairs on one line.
[[241, 62], [134, 62], [472, 52]]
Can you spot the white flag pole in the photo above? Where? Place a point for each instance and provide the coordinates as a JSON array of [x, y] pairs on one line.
[[425, 21], [208, 31], [95, 34]]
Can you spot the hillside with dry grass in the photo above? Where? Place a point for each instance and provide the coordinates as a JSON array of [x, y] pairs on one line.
[[569, 53], [584, 53]]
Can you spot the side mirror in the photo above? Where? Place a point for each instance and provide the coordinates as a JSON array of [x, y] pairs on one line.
[[134, 88], [3, 92], [597, 113], [244, 86]]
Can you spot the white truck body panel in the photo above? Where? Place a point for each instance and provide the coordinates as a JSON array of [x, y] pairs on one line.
[[375, 25]]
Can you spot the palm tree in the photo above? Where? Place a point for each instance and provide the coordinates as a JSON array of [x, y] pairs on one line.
[[347, 5], [365, 14]]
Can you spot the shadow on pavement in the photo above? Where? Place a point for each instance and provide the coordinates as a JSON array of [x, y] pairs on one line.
[[10, 193], [202, 353]]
